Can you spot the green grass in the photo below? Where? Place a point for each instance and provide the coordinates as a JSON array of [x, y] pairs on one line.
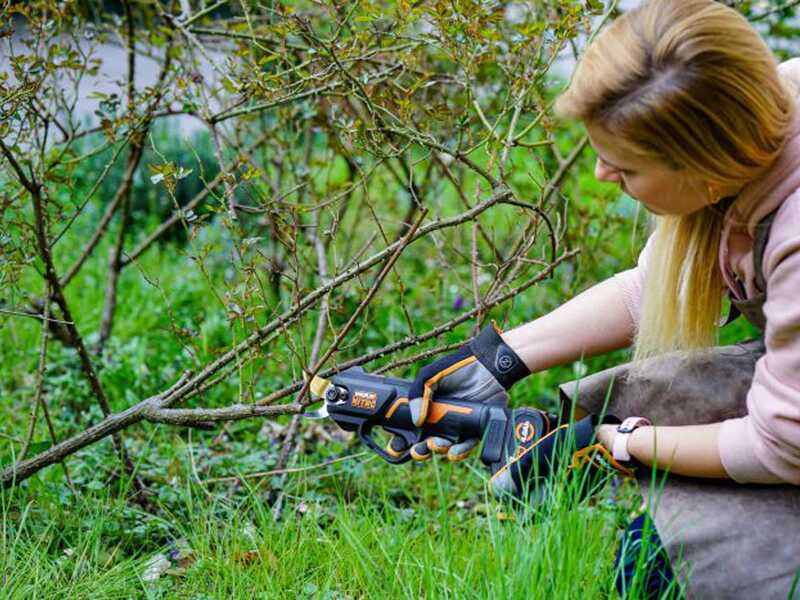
[[365, 531]]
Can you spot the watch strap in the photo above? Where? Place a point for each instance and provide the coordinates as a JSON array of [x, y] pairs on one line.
[[620, 445]]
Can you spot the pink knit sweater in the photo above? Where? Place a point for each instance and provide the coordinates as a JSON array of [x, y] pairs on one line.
[[764, 446]]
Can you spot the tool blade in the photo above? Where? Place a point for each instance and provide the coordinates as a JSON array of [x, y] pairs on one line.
[[320, 413], [318, 387]]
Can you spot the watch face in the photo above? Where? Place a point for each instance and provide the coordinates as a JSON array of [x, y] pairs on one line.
[[632, 423]]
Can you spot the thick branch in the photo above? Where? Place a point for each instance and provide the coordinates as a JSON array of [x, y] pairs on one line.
[[154, 409], [234, 412], [107, 427], [58, 295]]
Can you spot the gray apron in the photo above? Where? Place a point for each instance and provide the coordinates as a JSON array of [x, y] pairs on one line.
[[725, 540]]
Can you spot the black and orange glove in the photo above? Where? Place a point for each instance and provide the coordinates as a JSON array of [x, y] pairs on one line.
[[528, 469], [482, 370]]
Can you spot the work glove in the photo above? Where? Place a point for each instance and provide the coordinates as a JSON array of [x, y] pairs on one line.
[[532, 462], [481, 371]]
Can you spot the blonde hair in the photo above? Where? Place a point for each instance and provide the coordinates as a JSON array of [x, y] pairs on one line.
[[691, 85]]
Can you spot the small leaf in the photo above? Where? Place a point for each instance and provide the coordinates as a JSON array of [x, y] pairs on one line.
[[228, 85], [252, 173], [235, 310]]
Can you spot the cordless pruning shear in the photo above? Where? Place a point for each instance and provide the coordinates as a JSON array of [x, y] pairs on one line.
[[359, 401]]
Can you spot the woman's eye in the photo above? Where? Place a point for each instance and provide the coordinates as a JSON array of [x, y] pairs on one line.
[[618, 170]]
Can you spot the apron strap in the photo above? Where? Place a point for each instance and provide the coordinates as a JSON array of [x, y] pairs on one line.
[[733, 313], [760, 239]]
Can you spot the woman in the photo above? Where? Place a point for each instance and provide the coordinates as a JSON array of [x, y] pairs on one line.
[[689, 113]]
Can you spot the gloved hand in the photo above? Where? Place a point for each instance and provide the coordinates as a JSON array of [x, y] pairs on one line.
[[482, 370], [528, 468]]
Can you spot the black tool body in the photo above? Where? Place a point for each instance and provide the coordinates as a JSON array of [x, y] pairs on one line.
[[359, 401]]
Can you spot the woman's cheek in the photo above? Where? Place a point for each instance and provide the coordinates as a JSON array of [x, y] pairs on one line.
[[639, 190], [631, 189]]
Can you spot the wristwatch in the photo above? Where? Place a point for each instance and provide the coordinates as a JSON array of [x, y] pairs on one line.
[[620, 446]]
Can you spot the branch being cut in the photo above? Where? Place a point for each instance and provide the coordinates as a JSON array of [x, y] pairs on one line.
[[234, 412], [401, 245]]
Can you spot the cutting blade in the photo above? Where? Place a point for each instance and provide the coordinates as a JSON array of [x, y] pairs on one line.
[[320, 413], [319, 386]]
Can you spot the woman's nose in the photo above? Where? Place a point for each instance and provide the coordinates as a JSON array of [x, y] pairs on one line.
[[603, 172]]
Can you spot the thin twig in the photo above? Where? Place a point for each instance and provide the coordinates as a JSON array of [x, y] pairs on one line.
[[772, 11], [11, 438], [291, 470], [511, 129], [176, 217], [202, 13], [316, 346], [193, 466], [37, 397], [295, 97], [387, 267], [32, 315], [418, 357], [283, 458], [510, 268], [120, 196], [476, 290]]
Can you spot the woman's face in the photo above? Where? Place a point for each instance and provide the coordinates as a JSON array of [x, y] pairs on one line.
[[661, 190]]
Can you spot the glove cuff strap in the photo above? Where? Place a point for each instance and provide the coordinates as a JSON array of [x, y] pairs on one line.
[[494, 354]]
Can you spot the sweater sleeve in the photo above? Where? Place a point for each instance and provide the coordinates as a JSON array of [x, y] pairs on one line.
[[764, 445], [631, 283]]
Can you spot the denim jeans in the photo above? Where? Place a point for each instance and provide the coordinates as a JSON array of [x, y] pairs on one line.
[[655, 573]]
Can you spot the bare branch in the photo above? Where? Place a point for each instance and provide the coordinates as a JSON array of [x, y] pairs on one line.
[[109, 426], [234, 412]]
